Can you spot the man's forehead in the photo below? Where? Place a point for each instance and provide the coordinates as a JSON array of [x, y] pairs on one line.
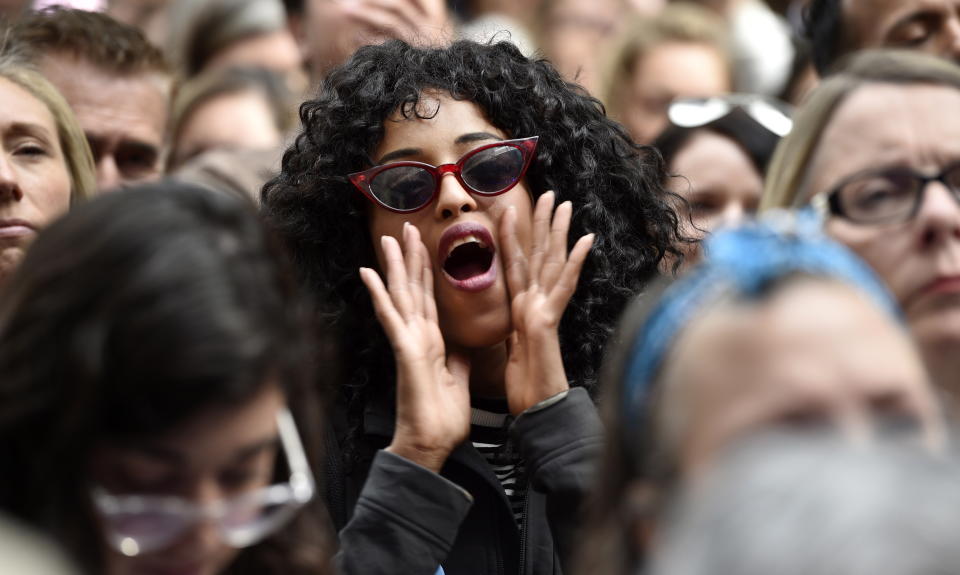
[[106, 102]]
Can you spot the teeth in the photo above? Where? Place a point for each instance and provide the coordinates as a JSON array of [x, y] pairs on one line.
[[466, 240]]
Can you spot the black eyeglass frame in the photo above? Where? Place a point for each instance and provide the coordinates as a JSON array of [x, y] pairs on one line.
[[830, 202]]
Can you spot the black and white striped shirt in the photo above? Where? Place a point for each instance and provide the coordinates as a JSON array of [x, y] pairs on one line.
[[488, 433]]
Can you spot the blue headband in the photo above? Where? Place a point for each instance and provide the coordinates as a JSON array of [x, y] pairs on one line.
[[742, 261]]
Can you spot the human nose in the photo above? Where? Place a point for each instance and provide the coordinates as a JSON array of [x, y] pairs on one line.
[[9, 184], [733, 213], [854, 422], [108, 175], [453, 198], [953, 37], [938, 216]]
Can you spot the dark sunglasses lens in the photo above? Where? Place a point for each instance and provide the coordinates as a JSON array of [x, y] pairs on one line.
[[403, 187], [493, 170]]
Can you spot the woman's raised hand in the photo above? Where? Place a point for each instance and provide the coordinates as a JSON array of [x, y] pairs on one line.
[[433, 397], [418, 22], [540, 285]]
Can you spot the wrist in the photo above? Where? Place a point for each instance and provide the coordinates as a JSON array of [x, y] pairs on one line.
[[430, 458]]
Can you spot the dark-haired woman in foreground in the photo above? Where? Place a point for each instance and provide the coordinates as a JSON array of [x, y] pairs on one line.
[[440, 169], [155, 414]]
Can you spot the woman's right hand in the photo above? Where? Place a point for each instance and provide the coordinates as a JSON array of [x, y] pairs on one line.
[[433, 397]]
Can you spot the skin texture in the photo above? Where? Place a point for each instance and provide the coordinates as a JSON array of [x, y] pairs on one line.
[[34, 181], [329, 31], [719, 181], [669, 71], [508, 331], [932, 26], [578, 31], [740, 369], [239, 120], [277, 51], [911, 257], [123, 117], [219, 453]]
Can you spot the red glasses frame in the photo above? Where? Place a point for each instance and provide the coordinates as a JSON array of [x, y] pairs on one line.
[[362, 180]]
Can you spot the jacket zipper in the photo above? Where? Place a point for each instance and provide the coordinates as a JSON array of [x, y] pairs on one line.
[[523, 530]]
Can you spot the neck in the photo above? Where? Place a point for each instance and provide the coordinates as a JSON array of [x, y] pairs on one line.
[[487, 368]]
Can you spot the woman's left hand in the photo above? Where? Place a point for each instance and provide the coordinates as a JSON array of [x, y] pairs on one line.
[[540, 287]]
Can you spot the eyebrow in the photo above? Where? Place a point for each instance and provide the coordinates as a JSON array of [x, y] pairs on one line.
[[463, 139], [135, 146], [174, 456], [925, 15], [28, 129]]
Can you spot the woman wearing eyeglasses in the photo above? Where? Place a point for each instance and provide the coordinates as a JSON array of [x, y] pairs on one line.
[[716, 151], [444, 203], [155, 413], [875, 148]]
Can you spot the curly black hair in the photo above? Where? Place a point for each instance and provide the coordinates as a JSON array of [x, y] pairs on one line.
[[585, 157]]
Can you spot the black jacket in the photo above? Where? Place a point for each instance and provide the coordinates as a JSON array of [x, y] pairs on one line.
[[408, 520]]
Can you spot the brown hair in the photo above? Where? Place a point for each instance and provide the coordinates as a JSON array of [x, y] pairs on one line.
[[788, 169], [92, 36]]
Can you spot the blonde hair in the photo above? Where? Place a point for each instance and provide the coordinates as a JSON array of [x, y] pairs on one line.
[[76, 151], [787, 173], [680, 22]]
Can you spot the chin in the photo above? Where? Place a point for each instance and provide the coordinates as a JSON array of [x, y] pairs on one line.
[[938, 326], [477, 332]]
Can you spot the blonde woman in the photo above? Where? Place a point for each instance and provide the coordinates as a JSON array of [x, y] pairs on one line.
[[876, 149], [45, 162]]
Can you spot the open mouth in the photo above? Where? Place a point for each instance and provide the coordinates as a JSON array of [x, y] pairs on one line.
[[468, 257]]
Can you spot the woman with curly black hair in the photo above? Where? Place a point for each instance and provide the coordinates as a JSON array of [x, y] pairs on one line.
[[496, 329]]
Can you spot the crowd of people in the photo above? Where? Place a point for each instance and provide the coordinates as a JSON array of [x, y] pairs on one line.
[[452, 287]]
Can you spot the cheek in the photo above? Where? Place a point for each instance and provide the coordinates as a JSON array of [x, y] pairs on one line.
[[51, 190], [883, 249]]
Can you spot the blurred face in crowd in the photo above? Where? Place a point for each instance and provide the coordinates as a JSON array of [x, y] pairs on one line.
[[668, 71], [218, 454], [470, 283], [34, 180], [576, 33], [239, 120], [817, 353], [716, 177], [123, 117], [276, 51], [919, 259], [932, 26], [150, 16]]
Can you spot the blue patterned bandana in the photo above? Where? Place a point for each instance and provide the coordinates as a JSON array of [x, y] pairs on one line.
[[742, 262]]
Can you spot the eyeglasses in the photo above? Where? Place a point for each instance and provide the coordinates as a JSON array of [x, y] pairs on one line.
[[136, 524], [886, 196], [406, 187], [772, 114]]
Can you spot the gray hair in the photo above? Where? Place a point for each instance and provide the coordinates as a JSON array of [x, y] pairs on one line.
[[815, 505]]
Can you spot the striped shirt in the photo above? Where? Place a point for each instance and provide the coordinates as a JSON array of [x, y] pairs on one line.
[[488, 433]]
